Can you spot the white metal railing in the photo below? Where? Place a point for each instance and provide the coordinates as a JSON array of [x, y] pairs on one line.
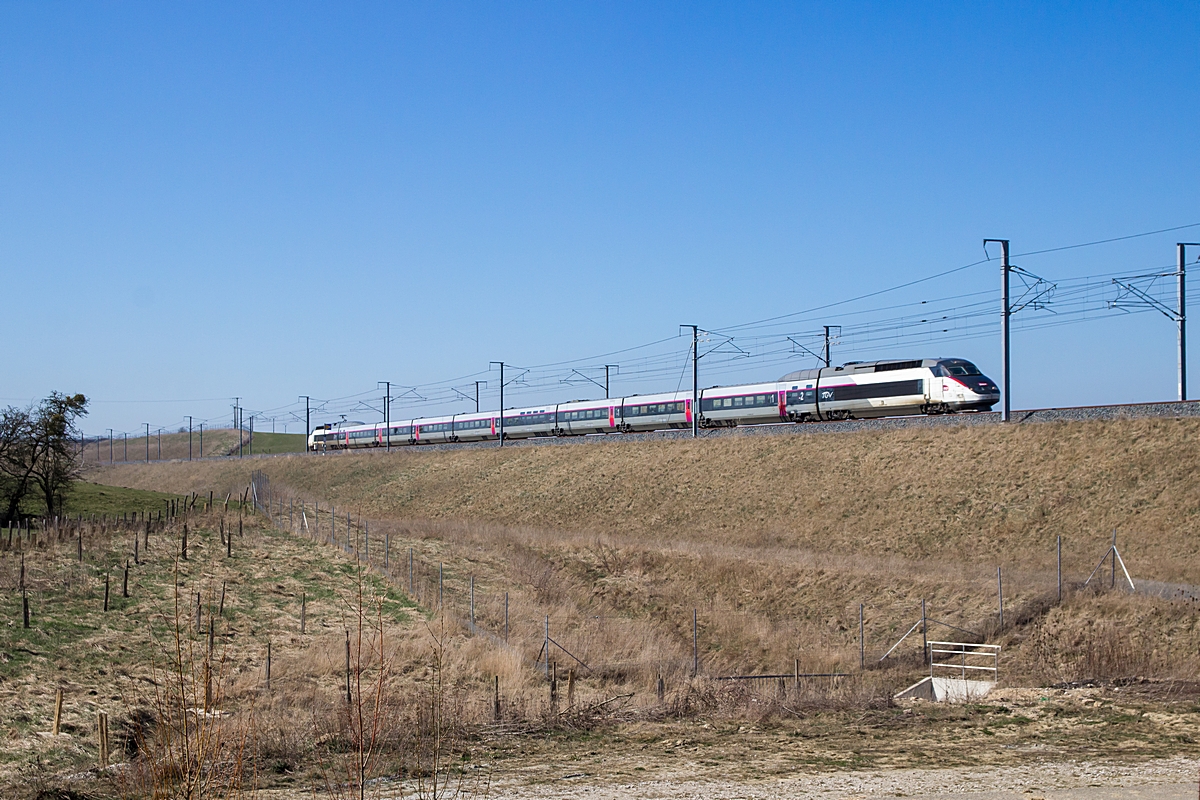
[[963, 652]]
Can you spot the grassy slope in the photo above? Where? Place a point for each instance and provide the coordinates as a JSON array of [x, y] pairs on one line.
[[273, 443], [93, 498], [174, 446], [107, 660], [973, 495], [618, 542], [777, 540], [217, 442]]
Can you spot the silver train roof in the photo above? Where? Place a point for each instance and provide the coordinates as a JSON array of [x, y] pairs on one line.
[[862, 366]]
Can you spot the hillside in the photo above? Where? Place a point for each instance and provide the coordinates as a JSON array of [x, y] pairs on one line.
[[775, 542], [174, 446], [659, 570], [987, 494]]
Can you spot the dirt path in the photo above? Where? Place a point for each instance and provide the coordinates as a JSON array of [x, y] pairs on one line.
[[1160, 779], [1165, 779]]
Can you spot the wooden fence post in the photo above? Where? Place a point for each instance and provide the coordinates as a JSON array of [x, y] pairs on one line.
[[58, 698], [102, 736]]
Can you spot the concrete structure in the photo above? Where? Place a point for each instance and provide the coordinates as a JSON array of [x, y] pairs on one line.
[[947, 690]]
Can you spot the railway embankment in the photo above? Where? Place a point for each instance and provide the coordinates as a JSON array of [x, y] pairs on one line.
[[773, 543], [948, 493]]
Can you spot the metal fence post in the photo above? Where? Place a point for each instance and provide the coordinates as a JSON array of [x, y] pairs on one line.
[[924, 635], [695, 647], [1060, 569], [1000, 594], [1113, 584], [862, 648]]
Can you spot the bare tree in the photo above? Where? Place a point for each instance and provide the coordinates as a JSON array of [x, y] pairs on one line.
[[37, 450], [54, 424], [17, 459]]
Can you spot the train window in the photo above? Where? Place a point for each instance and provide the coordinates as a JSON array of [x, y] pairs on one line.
[[897, 365], [865, 391]]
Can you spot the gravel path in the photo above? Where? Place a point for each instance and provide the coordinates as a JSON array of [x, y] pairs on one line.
[[1168, 779]]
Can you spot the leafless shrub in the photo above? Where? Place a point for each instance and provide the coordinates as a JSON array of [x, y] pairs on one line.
[[188, 746]]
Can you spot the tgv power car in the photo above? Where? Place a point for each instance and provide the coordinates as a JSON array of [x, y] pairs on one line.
[[857, 390]]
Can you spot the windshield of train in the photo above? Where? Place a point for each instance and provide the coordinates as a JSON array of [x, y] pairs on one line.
[[961, 368]]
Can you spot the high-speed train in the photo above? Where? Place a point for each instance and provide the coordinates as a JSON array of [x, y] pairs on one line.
[[857, 390]]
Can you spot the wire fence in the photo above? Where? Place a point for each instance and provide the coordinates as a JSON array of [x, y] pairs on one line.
[[545, 639]]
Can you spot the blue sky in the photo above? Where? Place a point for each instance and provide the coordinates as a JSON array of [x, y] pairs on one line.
[[203, 201]]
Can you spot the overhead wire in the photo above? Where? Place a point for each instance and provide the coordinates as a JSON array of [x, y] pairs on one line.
[[960, 317]]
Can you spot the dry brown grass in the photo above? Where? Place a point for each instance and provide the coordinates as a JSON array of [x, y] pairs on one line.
[[769, 595], [947, 496], [774, 541]]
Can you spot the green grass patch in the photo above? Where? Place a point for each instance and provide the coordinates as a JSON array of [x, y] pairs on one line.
[[270, 443], [94, 498]]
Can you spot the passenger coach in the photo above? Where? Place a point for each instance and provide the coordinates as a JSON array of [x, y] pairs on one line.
[[856, 390]]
